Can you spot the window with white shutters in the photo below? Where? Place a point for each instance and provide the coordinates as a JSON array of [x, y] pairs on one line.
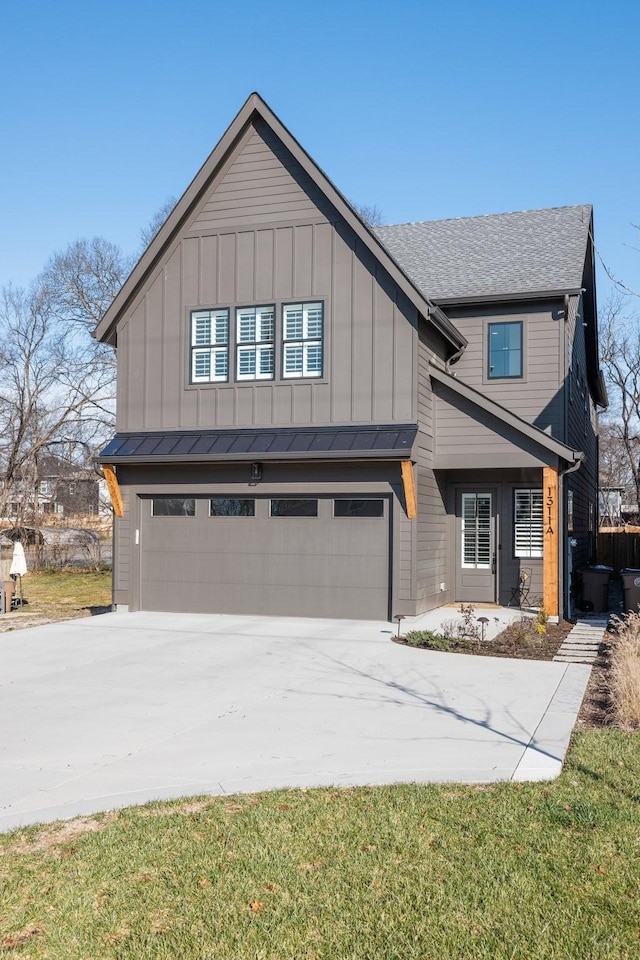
[[209, 346], [255, 339], [476, 530], [528, 523], [302, 335]]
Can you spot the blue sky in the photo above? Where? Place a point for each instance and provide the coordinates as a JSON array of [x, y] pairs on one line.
[[428, 110]]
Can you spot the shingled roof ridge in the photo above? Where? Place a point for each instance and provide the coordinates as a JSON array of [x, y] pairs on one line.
[[487, 216]]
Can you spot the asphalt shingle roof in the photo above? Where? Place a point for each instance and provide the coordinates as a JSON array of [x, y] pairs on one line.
[[506, 253]]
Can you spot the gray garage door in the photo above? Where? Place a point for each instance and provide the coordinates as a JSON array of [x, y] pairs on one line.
[[325, 557]]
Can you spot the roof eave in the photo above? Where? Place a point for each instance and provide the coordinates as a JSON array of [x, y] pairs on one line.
[[543, 294]]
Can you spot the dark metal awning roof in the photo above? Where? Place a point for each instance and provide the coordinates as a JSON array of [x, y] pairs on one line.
[[308, 443]]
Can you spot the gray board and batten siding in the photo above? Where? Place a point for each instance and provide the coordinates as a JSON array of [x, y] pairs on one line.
[[240, 252]]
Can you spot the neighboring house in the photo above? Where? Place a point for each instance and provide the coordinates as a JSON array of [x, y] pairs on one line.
[[62, 490], [318, 419]]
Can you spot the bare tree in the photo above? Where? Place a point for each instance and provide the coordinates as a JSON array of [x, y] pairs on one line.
[[620, 426], [54, 390], [370, 213], [81, 282], [623, 288], [157, 221]]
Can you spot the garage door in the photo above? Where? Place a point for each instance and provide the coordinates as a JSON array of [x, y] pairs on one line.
[[307, 557]]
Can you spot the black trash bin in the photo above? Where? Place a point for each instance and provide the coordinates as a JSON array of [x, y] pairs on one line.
[[595, 588], [631, 587]]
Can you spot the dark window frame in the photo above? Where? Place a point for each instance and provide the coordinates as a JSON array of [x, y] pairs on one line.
[[159, 499], [358, 516], [492, 377], [233, 516], [294, 516]]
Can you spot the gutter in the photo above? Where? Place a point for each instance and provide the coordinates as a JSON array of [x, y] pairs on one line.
[[507, 297]]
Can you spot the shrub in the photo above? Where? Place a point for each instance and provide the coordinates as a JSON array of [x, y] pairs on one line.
[[430, 640], [625, 671], [542, 620]]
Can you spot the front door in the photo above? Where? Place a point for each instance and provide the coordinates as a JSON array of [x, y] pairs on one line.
[[476, 546]]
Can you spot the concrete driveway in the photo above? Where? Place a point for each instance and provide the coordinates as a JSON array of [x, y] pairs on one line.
[[128, 707]]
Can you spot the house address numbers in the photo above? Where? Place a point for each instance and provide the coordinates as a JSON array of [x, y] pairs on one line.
[[549, 504]]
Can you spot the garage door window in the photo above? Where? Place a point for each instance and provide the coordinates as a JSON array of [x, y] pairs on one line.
[[358, 508], [294, 508], [173, 507], [231, 507]]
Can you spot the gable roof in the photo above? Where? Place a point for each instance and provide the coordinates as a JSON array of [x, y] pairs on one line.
[[531, 252], [254, 108]]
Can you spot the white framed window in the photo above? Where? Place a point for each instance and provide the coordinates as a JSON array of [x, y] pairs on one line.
[[209, 346], [302, 339], [476, 531], [528, 523], [255, 343]]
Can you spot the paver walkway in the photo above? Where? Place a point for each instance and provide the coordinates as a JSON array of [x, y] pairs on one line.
[[583, 643]]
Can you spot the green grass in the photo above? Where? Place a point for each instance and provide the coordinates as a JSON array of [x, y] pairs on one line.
[[502, 871], [59, 595]]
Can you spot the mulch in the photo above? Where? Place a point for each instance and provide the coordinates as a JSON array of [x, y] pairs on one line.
[[523, 644], [596, 712]]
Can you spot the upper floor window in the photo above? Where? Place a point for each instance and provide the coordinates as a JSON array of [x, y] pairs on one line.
[[255, 336], [302, 331], [209, 346], [505, 350], [257, 342]]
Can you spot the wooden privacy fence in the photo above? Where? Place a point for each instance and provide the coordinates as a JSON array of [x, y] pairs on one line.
[[619, 549]]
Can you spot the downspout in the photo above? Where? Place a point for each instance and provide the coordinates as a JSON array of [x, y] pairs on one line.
[[454, 359], [563, 564]]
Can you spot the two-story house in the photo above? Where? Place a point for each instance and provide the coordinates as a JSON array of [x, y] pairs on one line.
[[319, 419]]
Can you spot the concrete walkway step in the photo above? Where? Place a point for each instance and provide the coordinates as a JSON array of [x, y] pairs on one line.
[[582, 644]]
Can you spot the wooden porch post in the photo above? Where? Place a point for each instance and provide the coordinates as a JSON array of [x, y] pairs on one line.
[[114, 488], [551, 546]]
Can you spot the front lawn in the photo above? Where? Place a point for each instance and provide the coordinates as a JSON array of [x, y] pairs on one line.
[[502, 871], [61, 595]]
